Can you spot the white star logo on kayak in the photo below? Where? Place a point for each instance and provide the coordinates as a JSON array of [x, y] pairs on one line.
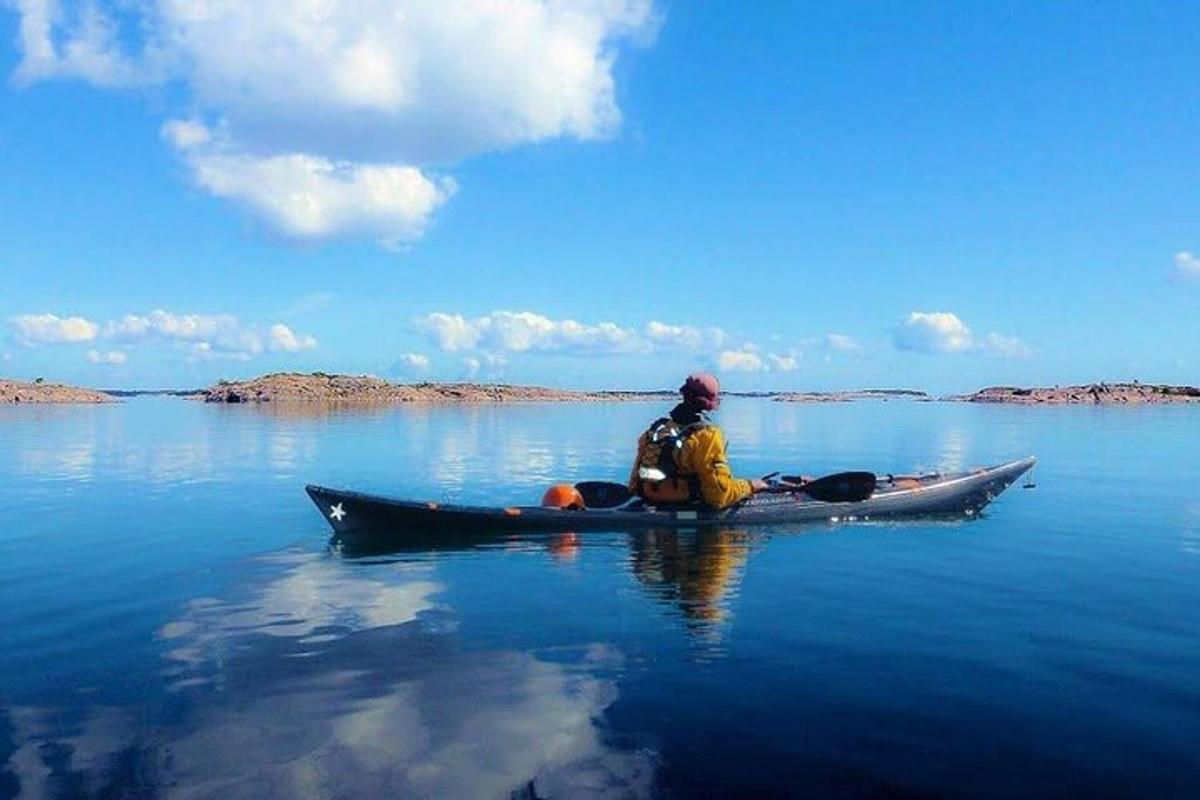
[[337, 512]]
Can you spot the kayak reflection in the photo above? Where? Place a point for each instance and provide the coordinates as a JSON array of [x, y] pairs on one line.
[[696, 572]]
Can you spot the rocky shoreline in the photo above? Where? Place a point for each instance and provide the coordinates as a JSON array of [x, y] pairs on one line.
[[14, 392], [321, 387], [850, 396], [1086, 394]]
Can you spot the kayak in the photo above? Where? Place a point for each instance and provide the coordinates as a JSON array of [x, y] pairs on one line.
[[931, 494]]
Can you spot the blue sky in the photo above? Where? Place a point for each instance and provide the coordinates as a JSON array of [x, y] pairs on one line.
[[601, 194]]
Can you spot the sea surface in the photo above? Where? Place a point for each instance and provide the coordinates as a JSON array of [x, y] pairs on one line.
[[175, 620]]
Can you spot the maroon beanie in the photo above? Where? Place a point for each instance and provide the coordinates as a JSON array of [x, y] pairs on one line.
[[703, 390]]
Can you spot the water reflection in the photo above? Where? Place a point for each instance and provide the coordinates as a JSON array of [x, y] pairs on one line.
[[52, 443], [698, 572], [695, 574], [1190, 530], [954, 447], [310, 410], [336, 679], [313, 602]]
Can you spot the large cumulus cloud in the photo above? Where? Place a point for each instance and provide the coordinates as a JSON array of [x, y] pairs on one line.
[[331, 117]]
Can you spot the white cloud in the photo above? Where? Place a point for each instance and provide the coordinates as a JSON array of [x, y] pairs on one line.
[[169, 325], [840, 341], [492, 364], [208, 336], [428, 81], [112, 357], [186, 134], [528, 331], [748, 359], [933, 332], [739, 361], [783, 363], [205, 351], [451, 332], [282, 338], [1005, 346], [310, 197], [35, 329], [485, 341], [328, 111], [944, 332], [411, 363], [1187, 265], [76, 42], [685, 337], [524, 331]]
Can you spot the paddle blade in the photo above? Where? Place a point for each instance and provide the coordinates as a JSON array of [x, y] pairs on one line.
[[841, 487], [603, 494]]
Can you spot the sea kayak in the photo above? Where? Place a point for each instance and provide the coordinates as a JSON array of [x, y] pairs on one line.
[[932, 494]]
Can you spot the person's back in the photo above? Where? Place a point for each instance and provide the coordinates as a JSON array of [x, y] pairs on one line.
[[681, 458]]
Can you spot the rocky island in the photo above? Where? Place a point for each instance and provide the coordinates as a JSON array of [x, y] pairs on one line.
[[848, 396], [1088, 394], [12, 392], [320, 387]]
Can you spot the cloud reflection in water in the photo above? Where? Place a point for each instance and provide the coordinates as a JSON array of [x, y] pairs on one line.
[[337, 679]]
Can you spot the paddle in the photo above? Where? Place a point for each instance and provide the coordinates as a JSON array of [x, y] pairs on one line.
[[841, 487], [603, 494]]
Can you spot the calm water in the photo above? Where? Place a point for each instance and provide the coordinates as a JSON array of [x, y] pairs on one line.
[[175, 622]]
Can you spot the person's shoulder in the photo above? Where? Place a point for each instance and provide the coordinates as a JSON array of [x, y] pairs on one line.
[[704, 431]]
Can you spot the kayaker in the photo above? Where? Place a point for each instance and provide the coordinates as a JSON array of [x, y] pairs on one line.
[[681, 457]]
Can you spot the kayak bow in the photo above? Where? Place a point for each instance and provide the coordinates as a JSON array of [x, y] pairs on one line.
[[964, 493]]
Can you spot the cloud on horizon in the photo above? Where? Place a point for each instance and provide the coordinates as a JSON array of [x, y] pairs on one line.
[[409, 364], [110, 357], [524, 331], [740, 361], [30, 330], [384, 95], [944, 332], [487, 341], [201, 336]]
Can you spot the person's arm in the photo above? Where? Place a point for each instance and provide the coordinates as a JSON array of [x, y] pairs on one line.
[[633, 473], [718, 487]]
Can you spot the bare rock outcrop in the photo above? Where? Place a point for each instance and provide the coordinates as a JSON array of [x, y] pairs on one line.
[[847, 396], [39, 391], [1087, 394], [320, 387]]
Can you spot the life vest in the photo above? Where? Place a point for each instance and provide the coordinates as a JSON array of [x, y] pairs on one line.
[[659, 479]]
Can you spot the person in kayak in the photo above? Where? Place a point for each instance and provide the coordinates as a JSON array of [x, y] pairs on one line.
[[681, 457]]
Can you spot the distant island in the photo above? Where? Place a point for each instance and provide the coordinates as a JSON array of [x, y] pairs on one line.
[[1088, 394], [39, 391], [320, 388], [848, 396], [287, 387]]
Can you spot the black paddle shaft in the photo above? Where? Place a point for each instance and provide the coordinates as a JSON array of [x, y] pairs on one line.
[[841, 487]]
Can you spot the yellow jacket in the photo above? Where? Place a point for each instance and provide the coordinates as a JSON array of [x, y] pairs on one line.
[[703, 457]]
